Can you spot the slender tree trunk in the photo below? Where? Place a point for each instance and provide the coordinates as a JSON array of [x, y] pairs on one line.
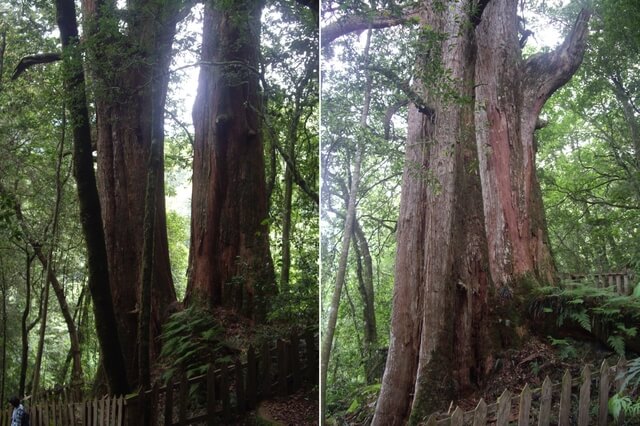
[[35, 382], [24, 357], [471, 232], [3, 282], [90, 212], [292, 140], [77, 320], [50, 277], [365, 287], [230, 260], [46, 261], [332, 316], [286, 224]]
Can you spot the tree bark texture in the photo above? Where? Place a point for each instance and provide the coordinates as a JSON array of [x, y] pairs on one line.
[[99, 285], [471, 233], [130, 68], [365, 287], [230, 261]]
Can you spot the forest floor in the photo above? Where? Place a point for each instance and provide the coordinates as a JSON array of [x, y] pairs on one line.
[[530, 364], [300, 408]]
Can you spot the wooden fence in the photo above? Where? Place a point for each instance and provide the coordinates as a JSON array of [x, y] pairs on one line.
[[567, 403], [231, 390], [620, 282], [107, 411], [213, 399]]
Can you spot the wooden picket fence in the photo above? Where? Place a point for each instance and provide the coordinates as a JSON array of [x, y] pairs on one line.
[[214, 398], [107, 411], [230, 390], [620, 282], [550, 404]]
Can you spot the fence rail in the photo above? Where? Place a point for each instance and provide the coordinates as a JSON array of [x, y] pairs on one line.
[[107, 411], [620, 282], [550, 404], [232, 389], [224, 392]]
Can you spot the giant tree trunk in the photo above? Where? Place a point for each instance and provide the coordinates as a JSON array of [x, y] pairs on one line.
[[471, 228], [230, 261], [129, 67], [99, 286]]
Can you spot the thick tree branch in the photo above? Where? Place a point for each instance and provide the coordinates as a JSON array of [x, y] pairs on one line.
[[405, 87], [388, 115], [350, 24], [31, 60], [547, 72]]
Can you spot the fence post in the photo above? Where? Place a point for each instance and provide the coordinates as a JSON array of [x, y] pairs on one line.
[[211, 395], [155, 393], [504, 408], [525, 406], [266, 370], [120, 412], [240, 393], [224, 393], [312, 362], [603, 399], [183, 396], [282, 367], [252, 378], [168, 403], [480, 414], [545, 403], [565, 399], [585, 397], [294, 361], [457, 417]]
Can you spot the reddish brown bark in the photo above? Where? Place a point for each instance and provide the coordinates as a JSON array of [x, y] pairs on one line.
[[230, 261], [131, 92], [509, 99], [471, 227], [92, 226]]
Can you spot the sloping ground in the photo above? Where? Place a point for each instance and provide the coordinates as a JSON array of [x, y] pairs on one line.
[[300, 408], [536, 359], [530, 364]]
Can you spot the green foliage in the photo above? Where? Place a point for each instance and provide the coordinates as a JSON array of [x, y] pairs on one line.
[[191, 340], [382, 141], [587, 306], [631, 378], [624, 404], [565, 347], [587, 159]]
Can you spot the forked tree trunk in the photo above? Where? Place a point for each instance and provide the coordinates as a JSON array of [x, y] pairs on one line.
[[471, 234], [230, 261]]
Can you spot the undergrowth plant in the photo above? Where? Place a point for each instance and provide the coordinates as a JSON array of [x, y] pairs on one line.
[[590, 308], [626, 400], [191, 340]]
